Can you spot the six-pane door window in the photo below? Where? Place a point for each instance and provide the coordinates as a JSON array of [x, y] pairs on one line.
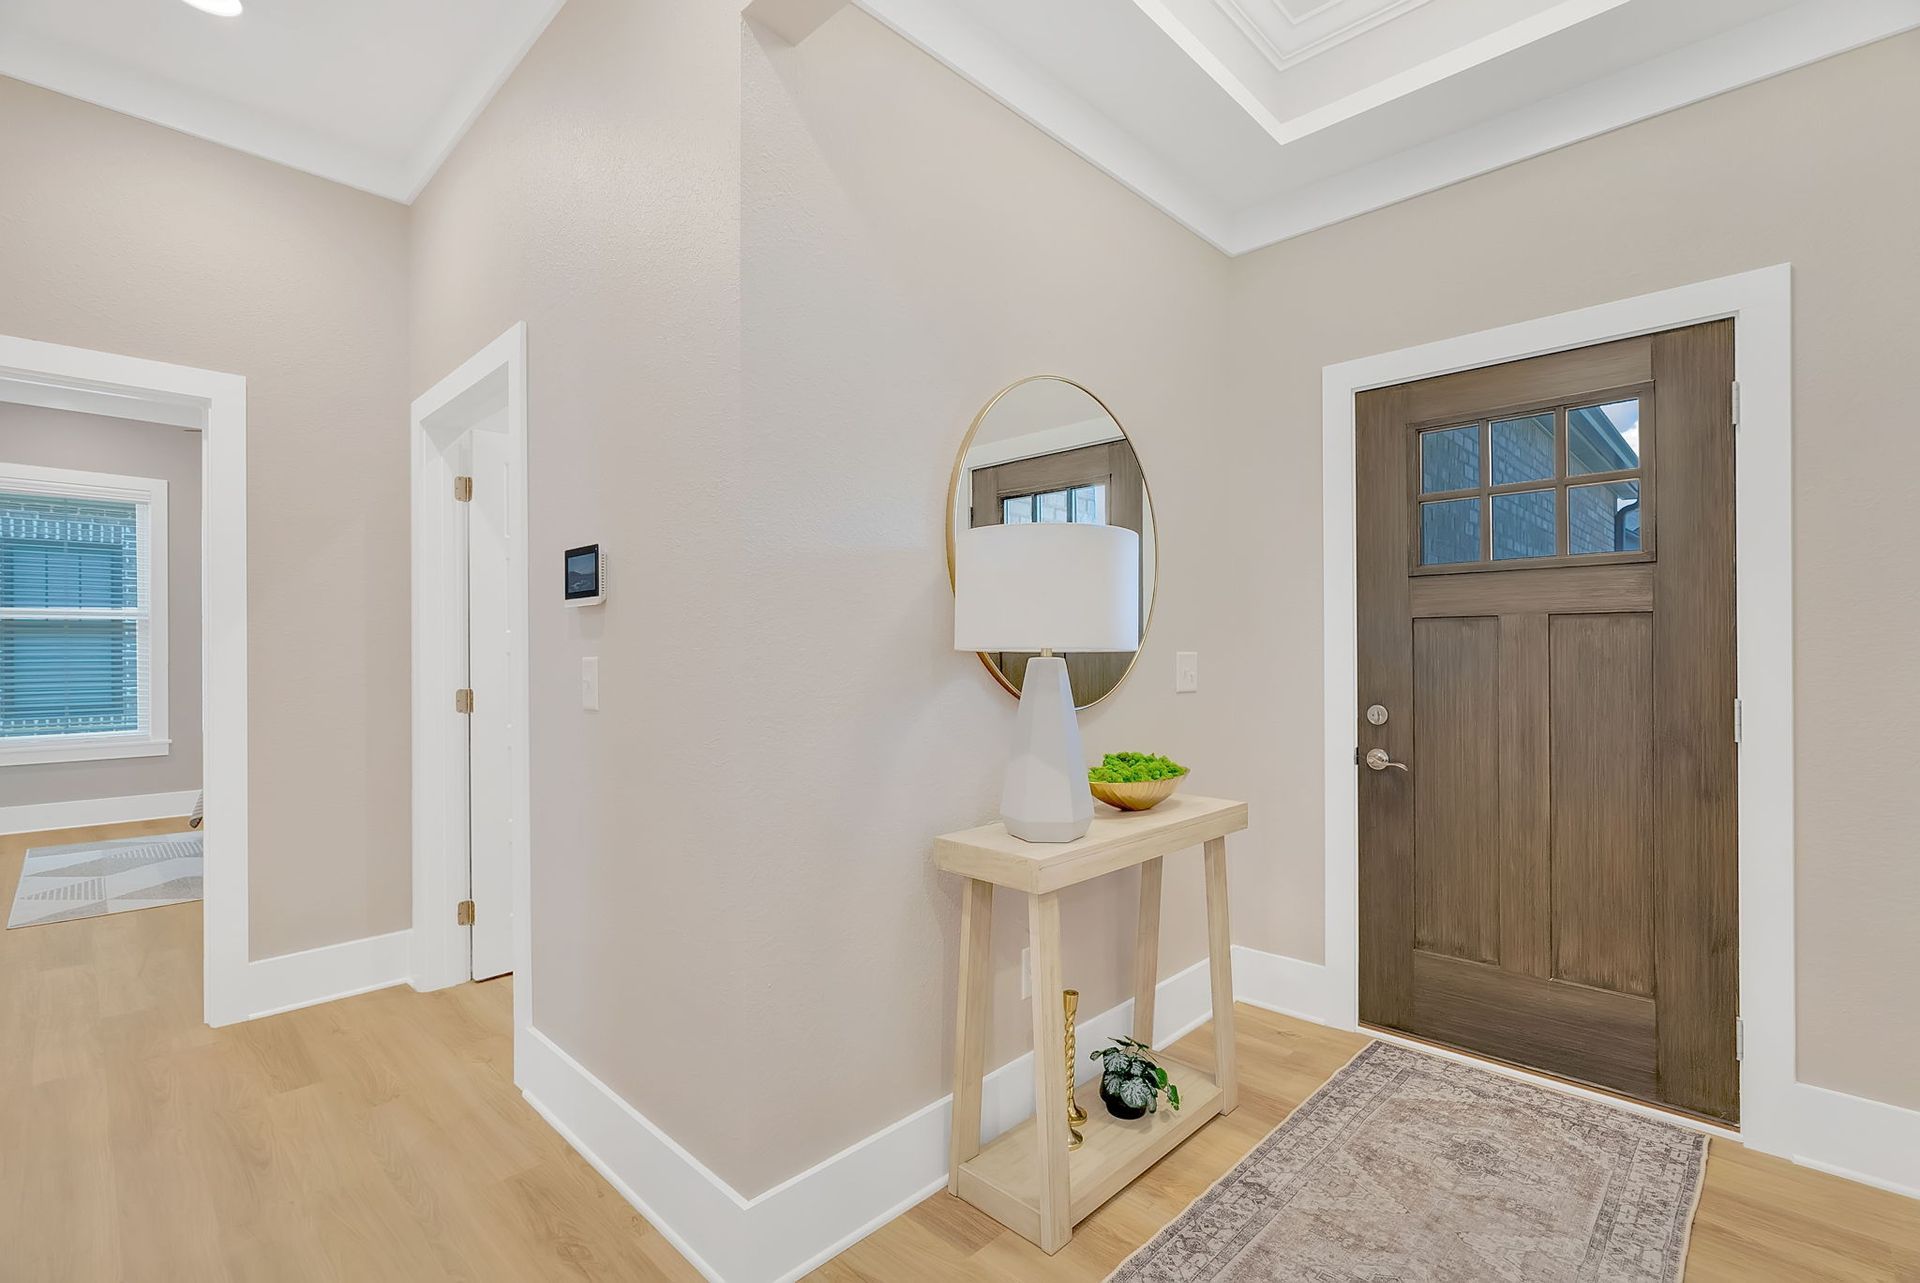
[[1562, 482], [77, 618]]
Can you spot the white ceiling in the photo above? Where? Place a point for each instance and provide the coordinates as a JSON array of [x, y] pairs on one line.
[[371, 93], [1254, 120]]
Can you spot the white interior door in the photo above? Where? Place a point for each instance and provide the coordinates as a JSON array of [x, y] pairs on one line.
[[490, 642]]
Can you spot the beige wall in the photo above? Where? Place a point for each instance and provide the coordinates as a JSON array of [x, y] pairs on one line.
[[766, 290], [95, 443], [1816, 168], [125, 237]]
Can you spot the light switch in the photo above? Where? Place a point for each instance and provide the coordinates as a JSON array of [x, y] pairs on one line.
[[1186, 671], [590, 683]]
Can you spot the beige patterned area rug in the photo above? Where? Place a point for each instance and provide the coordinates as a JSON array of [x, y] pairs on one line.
[[60, 883], [1409, 1168]]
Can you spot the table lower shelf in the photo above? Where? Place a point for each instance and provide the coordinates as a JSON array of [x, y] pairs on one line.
[[1003, 1180]]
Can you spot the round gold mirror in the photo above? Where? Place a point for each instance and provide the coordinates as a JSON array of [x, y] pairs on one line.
[[1048, 450]]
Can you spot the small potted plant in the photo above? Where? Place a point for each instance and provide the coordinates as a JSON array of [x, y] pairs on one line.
[[1131, 1080], [1135, 781]]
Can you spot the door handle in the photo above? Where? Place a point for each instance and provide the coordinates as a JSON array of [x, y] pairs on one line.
[[1377, 760]]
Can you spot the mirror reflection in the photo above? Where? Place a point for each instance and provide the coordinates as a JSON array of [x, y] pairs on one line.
[[1047, 450]]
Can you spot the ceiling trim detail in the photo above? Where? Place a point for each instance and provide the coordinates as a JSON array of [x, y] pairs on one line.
[[1236, 13], [1803, 33], [52, 65]]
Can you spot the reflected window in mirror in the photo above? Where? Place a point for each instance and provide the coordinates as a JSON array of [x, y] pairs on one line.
[[1047, 451]]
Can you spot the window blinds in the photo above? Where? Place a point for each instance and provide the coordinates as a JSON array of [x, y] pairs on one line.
[[76, 617]]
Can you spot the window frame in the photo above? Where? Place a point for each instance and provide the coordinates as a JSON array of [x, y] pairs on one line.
[[150, 494], [1559, 484]]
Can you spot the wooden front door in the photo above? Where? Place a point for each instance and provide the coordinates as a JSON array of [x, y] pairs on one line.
[[1546, 612]]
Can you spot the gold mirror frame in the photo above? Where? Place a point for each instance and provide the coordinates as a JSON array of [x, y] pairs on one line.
[[1153, 519]]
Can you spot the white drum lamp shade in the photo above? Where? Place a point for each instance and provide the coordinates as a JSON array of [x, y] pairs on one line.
[[1046, 587], [1061, 586]]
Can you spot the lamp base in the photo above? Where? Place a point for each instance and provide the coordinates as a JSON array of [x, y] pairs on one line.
[[1045, 797]]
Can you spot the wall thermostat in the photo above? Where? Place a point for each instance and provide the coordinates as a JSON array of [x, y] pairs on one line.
[[586, 579]]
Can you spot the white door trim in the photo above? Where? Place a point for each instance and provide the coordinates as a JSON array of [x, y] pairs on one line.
[[492, 378], [1760, 302], [36, 373]]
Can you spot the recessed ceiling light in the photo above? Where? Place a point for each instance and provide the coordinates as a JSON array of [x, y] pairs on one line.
[[218, 8]]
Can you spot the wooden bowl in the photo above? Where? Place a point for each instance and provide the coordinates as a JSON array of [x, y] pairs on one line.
[[1139, 795]]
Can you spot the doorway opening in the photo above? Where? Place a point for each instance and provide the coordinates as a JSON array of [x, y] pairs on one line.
[[470, 749], [160, 397]]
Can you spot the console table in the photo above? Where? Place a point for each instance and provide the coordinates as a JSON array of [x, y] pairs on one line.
[[1027, 1179]]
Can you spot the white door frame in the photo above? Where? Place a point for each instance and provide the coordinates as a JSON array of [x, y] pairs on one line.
[[1761, 305], [72, 378], [493, 378]]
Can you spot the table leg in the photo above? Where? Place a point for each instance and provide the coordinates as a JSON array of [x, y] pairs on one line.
[[1220, 966], [971, 1017], [1146, 953], [1049, 1084]]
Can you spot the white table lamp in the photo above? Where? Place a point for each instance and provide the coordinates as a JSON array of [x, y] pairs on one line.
[[1046, 587]]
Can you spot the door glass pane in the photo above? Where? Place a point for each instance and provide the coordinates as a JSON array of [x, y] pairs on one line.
[[1017, 512], [1523, 449], [1450, 459], [1604, 518], [1449, 532], [1603, 438], [1051, 506], [1523, 525]]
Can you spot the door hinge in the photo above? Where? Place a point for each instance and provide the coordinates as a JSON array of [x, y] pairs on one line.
[[463, 489], [463, 700], [1356, 755], [1739, 1038], [1738, 721], [463, 914], [1736, 403]]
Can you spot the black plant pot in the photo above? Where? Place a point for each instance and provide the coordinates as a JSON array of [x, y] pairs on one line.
[[1120, 1108]]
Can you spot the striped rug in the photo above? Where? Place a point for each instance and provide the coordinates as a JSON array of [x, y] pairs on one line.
[[60, 883]]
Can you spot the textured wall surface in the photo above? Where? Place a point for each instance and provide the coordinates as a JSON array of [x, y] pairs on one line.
[[96, 443], [126, 237]]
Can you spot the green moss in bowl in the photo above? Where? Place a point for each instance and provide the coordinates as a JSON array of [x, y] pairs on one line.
[[1135, 768]]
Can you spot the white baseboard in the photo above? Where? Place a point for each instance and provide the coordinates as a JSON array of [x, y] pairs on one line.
[[1863, 1140], [789, 1230], [295, 980], [35, 817], [1289, 986]]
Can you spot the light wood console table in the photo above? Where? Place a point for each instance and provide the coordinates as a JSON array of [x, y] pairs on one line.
[[1027, 1179]]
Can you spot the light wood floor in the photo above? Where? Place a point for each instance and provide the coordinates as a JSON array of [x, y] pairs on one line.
[[381, 1138], [375, 1138]]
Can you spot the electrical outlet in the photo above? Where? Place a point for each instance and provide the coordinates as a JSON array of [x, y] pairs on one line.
[[1026, 973], [1186, 671]]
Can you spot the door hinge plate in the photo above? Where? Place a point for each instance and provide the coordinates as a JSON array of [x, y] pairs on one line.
[[1738, 721], [463, 489], [463, 700], [1736, 403], [463, 914], [1739, 1038]]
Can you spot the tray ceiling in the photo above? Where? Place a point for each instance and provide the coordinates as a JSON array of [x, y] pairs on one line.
[[1254, 120]]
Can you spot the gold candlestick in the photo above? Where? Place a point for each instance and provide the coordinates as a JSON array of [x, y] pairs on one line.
[[1076, 1116]]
